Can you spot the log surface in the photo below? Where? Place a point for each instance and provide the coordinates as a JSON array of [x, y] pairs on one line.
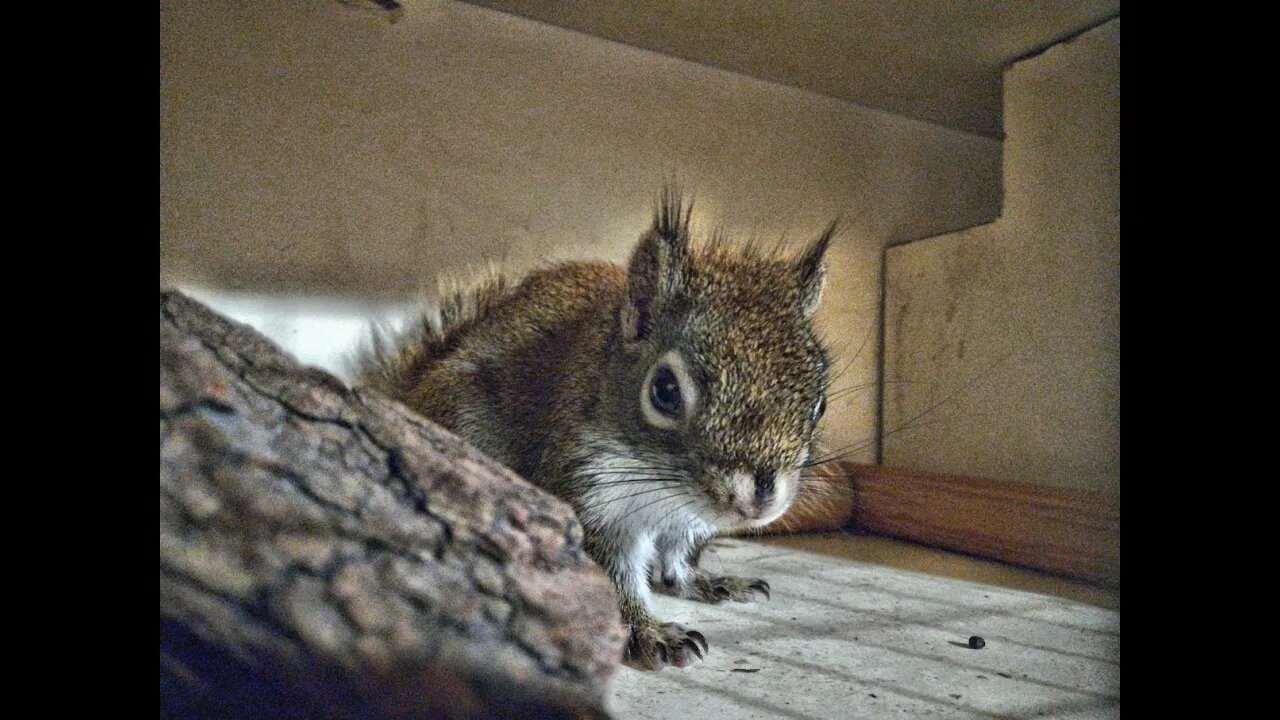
[[324, 552]]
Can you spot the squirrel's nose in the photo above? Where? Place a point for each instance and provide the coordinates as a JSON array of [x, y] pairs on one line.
[[764, 487]]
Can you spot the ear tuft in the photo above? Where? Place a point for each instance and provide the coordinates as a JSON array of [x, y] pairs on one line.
[[812, 271], [671, 218], [658, 264]]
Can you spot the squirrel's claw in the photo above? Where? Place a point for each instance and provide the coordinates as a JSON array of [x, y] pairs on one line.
[[654, 648], [715, 590], [700, 638], [761, 586], [693, 645]]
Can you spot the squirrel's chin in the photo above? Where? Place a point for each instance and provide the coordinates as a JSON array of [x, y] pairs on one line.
[[733, 520]]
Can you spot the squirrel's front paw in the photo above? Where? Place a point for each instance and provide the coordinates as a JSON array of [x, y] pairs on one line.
[[657, 646], [710, 589]]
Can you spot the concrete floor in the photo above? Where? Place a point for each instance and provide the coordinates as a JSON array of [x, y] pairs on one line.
[[865, 627]]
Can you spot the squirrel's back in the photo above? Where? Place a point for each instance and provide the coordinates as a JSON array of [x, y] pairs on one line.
[[487, 357]]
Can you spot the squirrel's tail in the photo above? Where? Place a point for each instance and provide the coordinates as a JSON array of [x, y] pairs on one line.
[[395, 362]]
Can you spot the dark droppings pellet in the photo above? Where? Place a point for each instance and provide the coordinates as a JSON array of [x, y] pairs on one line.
[[976, 642]]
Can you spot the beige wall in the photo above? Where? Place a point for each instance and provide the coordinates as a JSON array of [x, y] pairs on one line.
[[1030, 304], [312, 151]]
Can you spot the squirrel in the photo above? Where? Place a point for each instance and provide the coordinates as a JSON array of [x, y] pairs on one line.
[[666, 402]]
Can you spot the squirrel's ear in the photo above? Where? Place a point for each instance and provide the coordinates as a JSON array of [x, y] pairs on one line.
[[657, 266], [813, 273]]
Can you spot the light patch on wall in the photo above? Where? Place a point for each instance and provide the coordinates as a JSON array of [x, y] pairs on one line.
[[321, 332]]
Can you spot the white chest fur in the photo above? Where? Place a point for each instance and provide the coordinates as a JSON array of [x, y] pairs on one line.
[[650, 516]]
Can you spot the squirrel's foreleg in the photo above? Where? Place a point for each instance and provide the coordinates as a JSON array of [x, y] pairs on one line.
[[651, 644]]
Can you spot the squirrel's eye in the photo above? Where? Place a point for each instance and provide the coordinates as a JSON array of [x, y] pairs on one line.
[[664, 393], [818, 410], [668, 395]]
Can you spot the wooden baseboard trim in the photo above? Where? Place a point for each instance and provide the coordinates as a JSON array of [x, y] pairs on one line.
[[1058, 530], [1070, 532]]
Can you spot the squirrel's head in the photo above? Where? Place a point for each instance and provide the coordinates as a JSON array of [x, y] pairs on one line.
[[722, 372]]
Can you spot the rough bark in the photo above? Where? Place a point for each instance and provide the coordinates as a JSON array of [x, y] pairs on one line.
[[326, 553]]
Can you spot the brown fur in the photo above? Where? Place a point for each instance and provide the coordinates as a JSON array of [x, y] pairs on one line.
[[547, 376]]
